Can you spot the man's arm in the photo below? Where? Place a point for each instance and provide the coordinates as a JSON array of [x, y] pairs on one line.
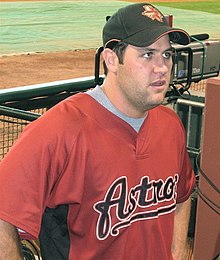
[[10, 246], [181, 223]]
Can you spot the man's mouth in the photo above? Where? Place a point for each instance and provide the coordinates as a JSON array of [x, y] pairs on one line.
[[158, 84]]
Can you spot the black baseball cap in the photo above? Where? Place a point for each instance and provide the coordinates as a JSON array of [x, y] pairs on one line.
[[140, 25]]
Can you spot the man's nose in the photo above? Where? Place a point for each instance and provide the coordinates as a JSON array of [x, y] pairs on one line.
[[160, 65]]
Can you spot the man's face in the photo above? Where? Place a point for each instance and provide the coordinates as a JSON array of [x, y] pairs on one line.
[[144, 76]]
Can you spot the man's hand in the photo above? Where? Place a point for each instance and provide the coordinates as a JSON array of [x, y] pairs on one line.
[[10, 246]]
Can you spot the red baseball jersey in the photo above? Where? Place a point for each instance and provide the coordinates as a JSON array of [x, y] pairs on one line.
[[92, 187]]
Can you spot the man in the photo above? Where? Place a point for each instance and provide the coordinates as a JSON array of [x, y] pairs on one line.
[[105, 174]]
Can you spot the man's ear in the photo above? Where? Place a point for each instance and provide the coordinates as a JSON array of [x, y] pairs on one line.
[[110, 59]]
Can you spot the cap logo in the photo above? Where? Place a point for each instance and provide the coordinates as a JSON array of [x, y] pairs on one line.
[[152, 13]]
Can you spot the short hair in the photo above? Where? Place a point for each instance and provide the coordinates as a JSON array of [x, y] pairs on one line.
[[119, 49]]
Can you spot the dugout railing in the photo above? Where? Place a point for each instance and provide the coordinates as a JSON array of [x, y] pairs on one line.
[[19, 106], [190, 110]]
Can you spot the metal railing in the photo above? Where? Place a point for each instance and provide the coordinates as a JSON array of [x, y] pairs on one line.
[[191, 113], [21, 105]]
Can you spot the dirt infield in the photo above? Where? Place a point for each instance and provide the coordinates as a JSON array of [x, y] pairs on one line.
[[27, 69]]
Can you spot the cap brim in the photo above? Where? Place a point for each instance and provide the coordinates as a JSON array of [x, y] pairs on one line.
[[147, 37]]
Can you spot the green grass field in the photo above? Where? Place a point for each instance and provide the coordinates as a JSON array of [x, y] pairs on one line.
[[212, 6]]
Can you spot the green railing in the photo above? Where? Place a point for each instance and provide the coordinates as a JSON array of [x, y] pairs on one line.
[[19, 106]]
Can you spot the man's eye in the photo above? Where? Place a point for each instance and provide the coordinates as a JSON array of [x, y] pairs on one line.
[[148, 55], [167, 55]]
